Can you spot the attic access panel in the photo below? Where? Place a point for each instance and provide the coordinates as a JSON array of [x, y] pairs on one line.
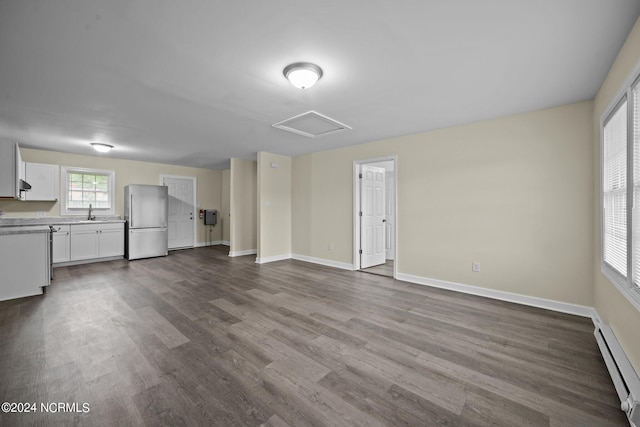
[[311, 124]]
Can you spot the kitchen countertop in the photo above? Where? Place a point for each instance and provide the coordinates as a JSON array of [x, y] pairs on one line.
[[55, 220], [24, 230]]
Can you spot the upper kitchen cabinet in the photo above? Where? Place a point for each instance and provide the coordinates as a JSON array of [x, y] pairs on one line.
[[43, 179], [12, 171]]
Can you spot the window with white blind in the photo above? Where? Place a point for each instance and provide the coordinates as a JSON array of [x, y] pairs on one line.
[[620, 135], [614, 191], [87, 187], [635, 210]]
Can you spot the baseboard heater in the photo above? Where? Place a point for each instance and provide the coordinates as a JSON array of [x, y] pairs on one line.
[[624, 377]]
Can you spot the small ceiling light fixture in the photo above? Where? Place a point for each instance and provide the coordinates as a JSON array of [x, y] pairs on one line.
[[103, 148], [302, 75]]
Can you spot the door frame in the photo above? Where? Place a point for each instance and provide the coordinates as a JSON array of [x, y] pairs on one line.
[[195, 201], [356, 209]]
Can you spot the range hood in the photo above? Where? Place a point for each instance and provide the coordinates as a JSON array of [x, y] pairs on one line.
[[22, 187], [12, 171]]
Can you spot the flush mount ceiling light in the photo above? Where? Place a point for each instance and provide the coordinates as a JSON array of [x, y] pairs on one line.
[[103, 148], [302, 75]]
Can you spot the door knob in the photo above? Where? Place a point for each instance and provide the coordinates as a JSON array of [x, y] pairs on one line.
[[384, 220]]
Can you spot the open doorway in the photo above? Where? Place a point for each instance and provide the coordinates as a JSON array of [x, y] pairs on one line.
[[375, 216]]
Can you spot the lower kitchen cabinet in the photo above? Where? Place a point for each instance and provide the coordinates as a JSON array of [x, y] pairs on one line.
[[111, 242], [84, 242], [61, 243], [24, 261], [93, 241]]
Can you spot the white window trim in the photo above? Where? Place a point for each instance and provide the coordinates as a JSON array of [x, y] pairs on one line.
[[623, 284], [64, 172]]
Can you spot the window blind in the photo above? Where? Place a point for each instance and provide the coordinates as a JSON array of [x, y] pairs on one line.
[[615, 190], [635, 220]]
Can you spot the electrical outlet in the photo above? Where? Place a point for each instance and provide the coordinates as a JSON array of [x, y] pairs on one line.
[[40, 213], [475, 267], [330, 246]]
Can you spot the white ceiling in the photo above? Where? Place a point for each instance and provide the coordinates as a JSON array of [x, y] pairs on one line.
[[196, 82]]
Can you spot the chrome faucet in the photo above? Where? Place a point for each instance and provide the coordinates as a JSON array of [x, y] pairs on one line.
[[90, 218]]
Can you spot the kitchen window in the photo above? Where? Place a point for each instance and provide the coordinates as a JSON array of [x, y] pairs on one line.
[[620, 139], [84, 187]]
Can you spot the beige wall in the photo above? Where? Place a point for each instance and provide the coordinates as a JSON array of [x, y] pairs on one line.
[[302, 221], [612, 306], [127, 172], [514, 194], [274, 205], [243, 199], [226, 206]]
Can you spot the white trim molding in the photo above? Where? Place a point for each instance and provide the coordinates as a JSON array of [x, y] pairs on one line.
[[267, 259], [623, 281], [321, 261], [194, 205], [356, 209], [632, 295], [243, 253], [563, 307], [596, 318], [64, 191]]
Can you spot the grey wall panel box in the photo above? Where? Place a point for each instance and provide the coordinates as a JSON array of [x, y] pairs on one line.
[[210, 217]]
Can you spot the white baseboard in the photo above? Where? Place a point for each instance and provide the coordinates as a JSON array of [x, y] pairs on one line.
[[87, 261], [264, 260], [321, 261], [596, 318], [243, 253], [214, 243], [225, 242], [563, 307]]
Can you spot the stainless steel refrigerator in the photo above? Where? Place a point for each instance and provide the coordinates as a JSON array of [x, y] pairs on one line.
[[146, 210]]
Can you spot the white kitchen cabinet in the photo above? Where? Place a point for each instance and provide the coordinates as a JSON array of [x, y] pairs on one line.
[[24, 262], [84, 242], [11, 170], [44, 179], [112, 242], [99, 240], [61, 243]]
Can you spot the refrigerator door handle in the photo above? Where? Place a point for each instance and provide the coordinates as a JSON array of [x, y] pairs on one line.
[[131, 211], [166, 212]]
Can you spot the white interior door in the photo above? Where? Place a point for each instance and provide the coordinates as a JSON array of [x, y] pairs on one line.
[[389, 213], [372, 222], [181, 210]]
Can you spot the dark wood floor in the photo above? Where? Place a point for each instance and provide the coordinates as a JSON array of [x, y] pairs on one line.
[[198, 338]]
